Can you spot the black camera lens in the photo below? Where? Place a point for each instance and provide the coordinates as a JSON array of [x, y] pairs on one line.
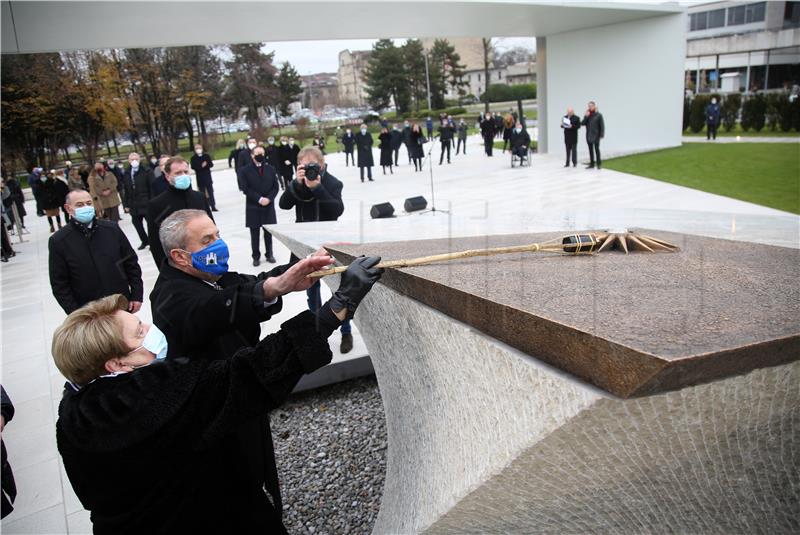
[[312, 171]]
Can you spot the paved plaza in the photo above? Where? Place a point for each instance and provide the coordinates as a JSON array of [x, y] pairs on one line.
[[480, 195]]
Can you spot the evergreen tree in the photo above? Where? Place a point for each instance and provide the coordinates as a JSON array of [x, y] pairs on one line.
[[289, 88], [251, 80], [414, 62], [386, 77]]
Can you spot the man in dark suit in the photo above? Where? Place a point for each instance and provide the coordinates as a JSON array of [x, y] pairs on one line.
[[245, 158], [364, 146], [137, 179], [260, 186], [179, 195], [571, 124], [487, 132], [520, 141], [201, 164], [349, 143], [91, 258], [595, 131], [397, 142], [446, 132]]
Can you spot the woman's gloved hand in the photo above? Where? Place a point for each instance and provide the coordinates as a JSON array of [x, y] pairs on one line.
[[356, 282]]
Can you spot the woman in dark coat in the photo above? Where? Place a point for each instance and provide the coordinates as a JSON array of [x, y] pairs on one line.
[[53, 196], [385, 144], [416, 140], [285, 156], [149, 444], [260, 185], [364, 146]]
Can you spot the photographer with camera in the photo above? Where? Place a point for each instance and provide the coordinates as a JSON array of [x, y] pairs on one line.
[[316, 195]]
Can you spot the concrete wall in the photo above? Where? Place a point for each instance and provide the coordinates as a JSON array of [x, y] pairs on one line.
[[633, 71]]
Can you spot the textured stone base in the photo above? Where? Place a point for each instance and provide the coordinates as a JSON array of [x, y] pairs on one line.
[[483, 438]]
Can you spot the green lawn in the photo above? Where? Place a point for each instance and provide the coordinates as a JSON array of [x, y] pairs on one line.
[[761, 173], [737, 131]]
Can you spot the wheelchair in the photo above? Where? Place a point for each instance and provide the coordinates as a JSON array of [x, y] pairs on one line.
[[522, 162]]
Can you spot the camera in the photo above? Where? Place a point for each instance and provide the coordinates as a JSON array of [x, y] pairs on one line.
[[312, 171]]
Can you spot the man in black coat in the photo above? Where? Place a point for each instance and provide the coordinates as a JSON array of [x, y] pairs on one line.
[[92, 258], [179, 195], [245, 158], [446, 132], [201, 164], [571, 124], [349, 142], [260, 186], [595, 131], [364, 146], [488, 132], [397, 142], [520, 141], [286, 155], [316, 199], [138, 180]]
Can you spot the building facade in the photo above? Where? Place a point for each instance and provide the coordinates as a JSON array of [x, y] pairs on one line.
[[737, 46], [475, 79], [320, 90], [351, 77]]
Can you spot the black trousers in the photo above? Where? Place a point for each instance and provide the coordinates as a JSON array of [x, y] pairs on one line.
[[138, 224], [254, 242], [460, 143], [572, 148], [396, 154], [369, 172], [711, 131], [417, 164], [445, 146], [594, 153], [349, 156], [487, 144], [208, 191]]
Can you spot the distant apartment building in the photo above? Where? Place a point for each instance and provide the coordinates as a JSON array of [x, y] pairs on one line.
[[475, 79], [740, 46], [320, 90], [351, 77]]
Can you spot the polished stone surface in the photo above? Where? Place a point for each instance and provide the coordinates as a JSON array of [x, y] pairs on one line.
[[631, 324]]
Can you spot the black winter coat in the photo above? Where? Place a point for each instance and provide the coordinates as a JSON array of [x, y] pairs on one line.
[[234, 157], [255, 185], [385, 144], [415, 145], [203, 174], [407, 136], [446, 132], [397, 139], [364, 146], [285, 154], [349, 141], [323, 203], [160, 208], [487, 128], [53, 194], [87, 264], [138, 190], [271, 152], [523, 139], [595, 127], [244, 159], [155, 450], [571, 134]]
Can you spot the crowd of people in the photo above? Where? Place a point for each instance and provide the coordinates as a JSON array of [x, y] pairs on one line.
[[197, 384]]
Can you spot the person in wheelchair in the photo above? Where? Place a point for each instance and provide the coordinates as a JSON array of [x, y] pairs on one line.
[[520, 142]]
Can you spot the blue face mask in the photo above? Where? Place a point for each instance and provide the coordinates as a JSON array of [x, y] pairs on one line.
[[155, 342], [84, 214], [183, 182], [212, 259]]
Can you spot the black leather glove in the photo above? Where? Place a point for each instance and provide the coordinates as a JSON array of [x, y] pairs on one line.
[[357, 281]]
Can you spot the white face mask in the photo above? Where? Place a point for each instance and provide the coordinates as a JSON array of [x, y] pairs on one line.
[[283, 143], [363, 130], [135, 163], [153, 161], [349, 132], [199, 152], [251, 145], [291, 142], [271, 141]]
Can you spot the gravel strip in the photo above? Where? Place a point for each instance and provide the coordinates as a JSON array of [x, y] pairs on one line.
[[330, 447]]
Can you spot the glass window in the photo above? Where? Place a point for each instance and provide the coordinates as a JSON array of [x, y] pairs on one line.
[[735, 15], [716, 18], [499, 75], [479, 77], [754, 12], [791, 15]]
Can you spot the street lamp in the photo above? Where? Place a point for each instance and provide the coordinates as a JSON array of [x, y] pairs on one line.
[[427, 79]]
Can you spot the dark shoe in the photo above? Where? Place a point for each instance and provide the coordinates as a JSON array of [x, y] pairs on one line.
[[574, 165], [371, 180], [214, 209], [347, 343], [256, 262], [142, 246], [598, 166], [270, 259], [566, 165], [590, 166]]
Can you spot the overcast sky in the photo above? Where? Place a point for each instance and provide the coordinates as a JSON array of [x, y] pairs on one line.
[[310, 57]]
